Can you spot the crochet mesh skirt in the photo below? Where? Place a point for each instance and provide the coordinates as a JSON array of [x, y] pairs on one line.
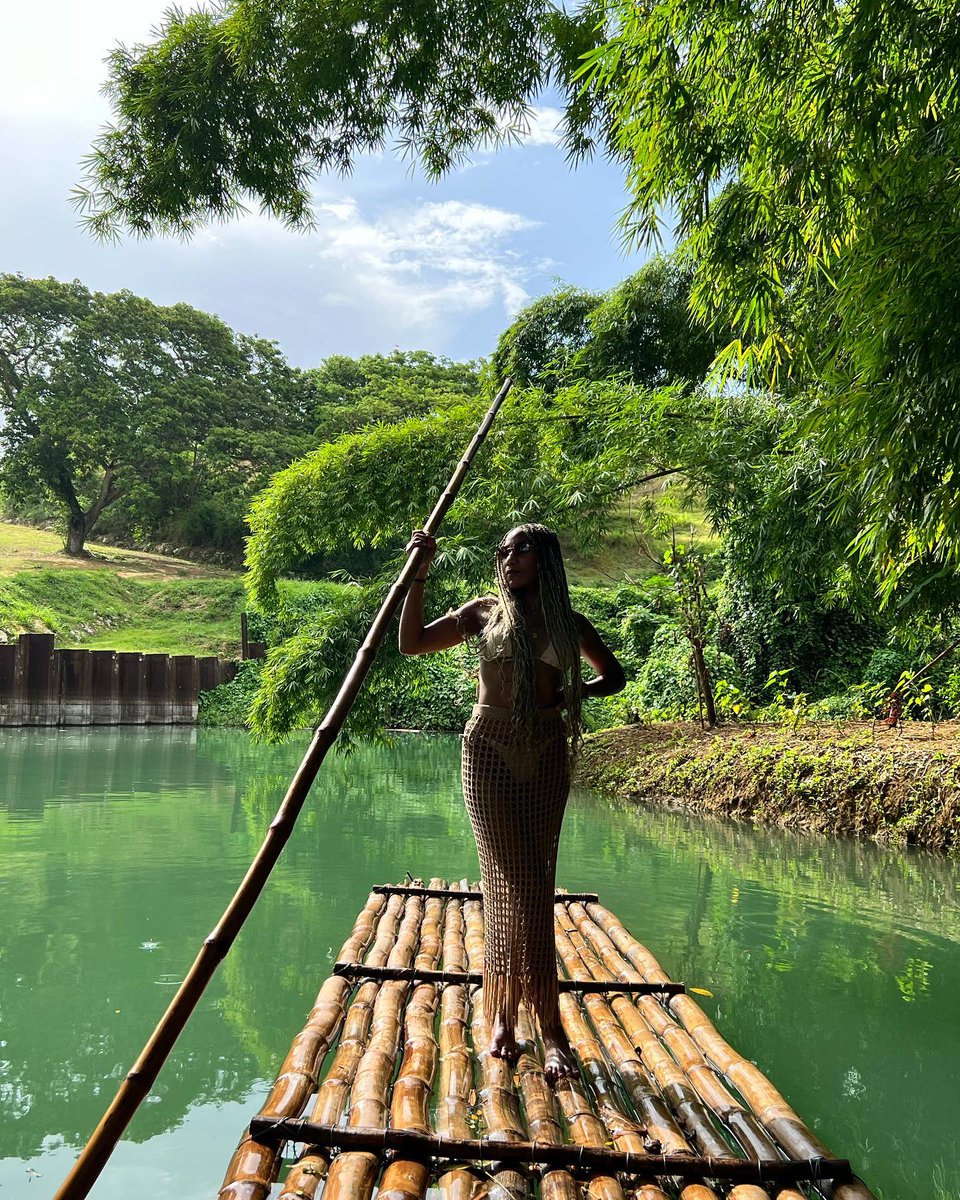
[[515, 796]]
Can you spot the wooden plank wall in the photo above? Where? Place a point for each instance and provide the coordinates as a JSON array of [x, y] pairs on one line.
[[41, 685]]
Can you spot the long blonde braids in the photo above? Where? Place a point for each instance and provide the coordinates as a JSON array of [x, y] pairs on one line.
[[509, 620]]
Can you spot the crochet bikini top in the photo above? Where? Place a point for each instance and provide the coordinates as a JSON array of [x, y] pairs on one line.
[[498, 647]]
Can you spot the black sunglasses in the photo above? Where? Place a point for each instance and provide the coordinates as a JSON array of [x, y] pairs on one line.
[[503, 552]]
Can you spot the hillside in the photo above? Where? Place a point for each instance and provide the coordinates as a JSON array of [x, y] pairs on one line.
[[116, 599]]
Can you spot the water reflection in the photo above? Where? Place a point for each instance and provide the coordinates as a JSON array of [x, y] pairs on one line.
[[835, 965]]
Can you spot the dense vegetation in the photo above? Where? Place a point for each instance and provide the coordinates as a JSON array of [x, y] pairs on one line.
[[792, 371], [806, 156], [147, 425], [613, 414]]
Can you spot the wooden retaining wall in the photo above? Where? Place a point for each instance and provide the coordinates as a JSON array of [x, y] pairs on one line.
[[40, 685]]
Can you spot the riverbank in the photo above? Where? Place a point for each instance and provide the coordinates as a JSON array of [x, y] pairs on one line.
[[855, 779]]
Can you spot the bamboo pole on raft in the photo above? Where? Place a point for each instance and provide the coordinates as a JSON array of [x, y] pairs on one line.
[[540, 1105], [499, 1102], [456, 1067], [622, 955], [586, 1130], [253, 1167], [742, 1124], [779, 1119], [407, 1178], [142, 1075], [587, 1044], [660, 1122], [653, 1111], [353, 1174], [304, 1177], [680, 1061]]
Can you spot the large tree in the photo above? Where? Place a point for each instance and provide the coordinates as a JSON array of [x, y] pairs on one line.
[[348, 393], [805, 152], [110, 398], [640, 331]]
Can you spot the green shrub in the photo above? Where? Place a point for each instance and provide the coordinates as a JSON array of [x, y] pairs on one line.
[[229, 704], [437, 693], [886, 665], [666, 688]]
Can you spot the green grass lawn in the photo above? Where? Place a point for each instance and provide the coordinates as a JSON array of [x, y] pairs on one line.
[[24, 547], [104, 610], [20, 544], [115, 599]]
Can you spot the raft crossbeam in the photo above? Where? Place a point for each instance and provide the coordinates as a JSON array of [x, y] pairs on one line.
[[485, 1150], [353, 970], [413, 889]]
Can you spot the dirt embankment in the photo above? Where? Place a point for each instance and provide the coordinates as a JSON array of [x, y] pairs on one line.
[[895, 786]]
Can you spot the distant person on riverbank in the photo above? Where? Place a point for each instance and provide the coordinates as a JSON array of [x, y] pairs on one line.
[[516, 763]]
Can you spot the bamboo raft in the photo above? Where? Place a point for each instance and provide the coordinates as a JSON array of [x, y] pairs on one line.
[[391, 1087]]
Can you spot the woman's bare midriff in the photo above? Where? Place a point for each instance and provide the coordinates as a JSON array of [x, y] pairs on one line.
[[496, 684]]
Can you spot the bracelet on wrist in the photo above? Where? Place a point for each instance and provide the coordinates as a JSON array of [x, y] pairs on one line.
[[417, 579]]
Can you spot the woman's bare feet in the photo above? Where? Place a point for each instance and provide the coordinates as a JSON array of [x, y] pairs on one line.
[[558, 1062], [503, 1041]]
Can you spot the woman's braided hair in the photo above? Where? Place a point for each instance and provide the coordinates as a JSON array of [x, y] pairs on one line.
[[509, 620]]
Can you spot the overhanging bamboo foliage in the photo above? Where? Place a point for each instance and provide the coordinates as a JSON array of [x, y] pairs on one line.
[[663, 1108]]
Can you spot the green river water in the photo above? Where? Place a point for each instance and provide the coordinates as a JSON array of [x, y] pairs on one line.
[[834, 966]]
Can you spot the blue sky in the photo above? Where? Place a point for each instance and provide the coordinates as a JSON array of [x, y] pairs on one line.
[[395, 261]]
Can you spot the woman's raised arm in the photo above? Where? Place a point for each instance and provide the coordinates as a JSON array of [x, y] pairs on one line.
[[448, 630]]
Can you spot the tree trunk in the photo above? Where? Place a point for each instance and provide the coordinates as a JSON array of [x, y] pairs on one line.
[[706, 687], [76, 534], [82, 523]]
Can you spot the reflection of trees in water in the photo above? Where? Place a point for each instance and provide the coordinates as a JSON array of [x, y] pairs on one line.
[[371, 818], [41, 766], [78, 1006], [875, 883], [77, 1009]]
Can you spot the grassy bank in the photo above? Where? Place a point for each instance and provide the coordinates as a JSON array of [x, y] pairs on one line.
[[850, 779], [115, 599]]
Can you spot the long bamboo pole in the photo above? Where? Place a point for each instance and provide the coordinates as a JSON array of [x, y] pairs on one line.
[[497, 1149], [142, 1075]]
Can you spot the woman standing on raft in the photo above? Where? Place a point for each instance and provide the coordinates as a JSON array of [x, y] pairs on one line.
[[516, 763]]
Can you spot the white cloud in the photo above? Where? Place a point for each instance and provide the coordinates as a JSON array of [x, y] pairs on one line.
[[543, 127], [52, 54], [423, 264]]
